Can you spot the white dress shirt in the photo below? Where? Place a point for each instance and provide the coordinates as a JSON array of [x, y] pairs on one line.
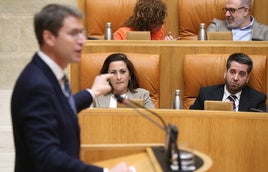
[[226, 94]]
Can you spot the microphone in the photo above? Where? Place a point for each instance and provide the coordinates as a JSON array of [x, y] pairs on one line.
[[171, 147], [134, 106]]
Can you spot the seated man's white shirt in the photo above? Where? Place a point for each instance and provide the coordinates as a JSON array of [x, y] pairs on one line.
[[243, 34], [227, 94]]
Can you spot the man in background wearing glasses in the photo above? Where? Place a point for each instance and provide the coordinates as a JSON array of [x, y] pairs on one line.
[[240, 22]]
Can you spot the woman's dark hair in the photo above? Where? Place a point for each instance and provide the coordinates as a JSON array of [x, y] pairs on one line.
[[147, 15], [133, 83]]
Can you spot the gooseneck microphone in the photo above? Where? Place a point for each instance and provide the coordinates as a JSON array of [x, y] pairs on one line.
[[171, 147]]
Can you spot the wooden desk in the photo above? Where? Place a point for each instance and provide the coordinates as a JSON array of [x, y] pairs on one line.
[[235, 141], [144, 157]]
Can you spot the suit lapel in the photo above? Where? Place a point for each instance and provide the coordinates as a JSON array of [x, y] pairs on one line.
[[256, 30], [219, 91], [243, 102], [105, 100], [62, 100], [130, 95]]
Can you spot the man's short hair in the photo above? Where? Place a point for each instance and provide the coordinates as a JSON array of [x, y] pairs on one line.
[[51, 18], [240, 58]]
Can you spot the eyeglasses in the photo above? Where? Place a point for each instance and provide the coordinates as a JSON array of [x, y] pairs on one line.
[[75, 34], [232, 10]]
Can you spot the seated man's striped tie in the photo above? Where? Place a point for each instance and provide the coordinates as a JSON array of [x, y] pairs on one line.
[[68, 93], [232, 98]]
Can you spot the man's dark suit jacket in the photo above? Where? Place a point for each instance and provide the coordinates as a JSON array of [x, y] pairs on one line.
[[249, 98], [46, 130]]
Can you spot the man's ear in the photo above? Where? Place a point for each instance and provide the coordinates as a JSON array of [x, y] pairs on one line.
[[248, 78], [49, 38], [247, 12]]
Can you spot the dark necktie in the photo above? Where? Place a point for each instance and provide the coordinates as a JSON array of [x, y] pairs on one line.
[[68, 93], [232, 98]]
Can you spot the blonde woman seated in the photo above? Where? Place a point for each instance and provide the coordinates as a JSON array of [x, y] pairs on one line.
[[124, 82]]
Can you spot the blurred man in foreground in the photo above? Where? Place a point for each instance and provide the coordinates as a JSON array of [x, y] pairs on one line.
[[44, 112]]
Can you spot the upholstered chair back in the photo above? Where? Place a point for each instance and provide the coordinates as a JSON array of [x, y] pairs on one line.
[[98, 13], [146, 65], [193, 12], [201, 70]]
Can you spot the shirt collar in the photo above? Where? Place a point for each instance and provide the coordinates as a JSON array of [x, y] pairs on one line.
[[56, 69], [227, 93], [250, 24]]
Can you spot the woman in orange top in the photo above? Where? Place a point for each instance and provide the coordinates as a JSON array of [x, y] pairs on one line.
[[148, 15]]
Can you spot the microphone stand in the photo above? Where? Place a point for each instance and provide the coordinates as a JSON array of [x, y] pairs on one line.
[[171, 147]]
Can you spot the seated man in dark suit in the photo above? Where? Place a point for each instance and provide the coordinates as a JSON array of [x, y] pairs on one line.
[[240, 22], [235, 89]]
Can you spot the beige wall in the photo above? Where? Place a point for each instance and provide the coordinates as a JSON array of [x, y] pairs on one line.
[[17, 40], [17, 45]]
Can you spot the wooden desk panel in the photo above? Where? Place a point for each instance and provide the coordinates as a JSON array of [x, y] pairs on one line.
[[141, 156], [235, 141]]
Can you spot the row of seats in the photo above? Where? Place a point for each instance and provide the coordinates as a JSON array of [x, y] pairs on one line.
[[183, 20], [198, 70]]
